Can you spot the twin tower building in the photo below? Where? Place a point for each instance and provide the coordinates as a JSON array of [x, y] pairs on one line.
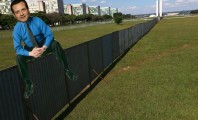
[[159, 8]]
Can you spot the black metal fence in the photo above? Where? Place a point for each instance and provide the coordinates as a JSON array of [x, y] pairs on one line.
[[52, 89]]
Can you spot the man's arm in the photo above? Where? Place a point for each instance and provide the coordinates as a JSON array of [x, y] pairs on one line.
[[19, 49], [46, 30]]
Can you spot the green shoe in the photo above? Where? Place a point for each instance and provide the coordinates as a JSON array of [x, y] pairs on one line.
[[28, 90], [70, 74]]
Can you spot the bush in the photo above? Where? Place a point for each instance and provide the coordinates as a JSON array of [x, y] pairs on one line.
[[118, 19]]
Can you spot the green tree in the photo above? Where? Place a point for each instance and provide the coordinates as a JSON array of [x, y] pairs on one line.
[[194, 12], [128, 16], [54, 18], [117, 14], [7, 21], [42, 16], [80, 18], [97, 18], [88, 17], [117, 18], [72, 18], [67, 18], [107, 17]]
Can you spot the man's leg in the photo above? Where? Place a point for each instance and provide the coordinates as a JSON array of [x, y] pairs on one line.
[[23, 69], [56, 48]]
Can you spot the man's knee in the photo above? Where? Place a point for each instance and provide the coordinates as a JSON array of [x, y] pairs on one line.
[[55, 44], [19, 57], [22, 58]]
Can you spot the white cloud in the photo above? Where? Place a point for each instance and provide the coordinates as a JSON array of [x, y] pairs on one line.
[[83, 1], [178, 3], [132, 7], [103, 1], [186, 1], [88, 1], [129, 9]]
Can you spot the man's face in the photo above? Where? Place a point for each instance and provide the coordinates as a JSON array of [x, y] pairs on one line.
[[20, 12]]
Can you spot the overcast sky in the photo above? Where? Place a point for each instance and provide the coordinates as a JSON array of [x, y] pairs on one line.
[[140, 6]]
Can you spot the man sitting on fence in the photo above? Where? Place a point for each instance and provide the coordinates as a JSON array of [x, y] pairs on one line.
[[38, 41]]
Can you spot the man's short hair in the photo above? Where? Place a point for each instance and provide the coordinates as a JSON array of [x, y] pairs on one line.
[[16, 2]]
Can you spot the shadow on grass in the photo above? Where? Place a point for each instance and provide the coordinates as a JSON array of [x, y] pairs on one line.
[[75, 102]]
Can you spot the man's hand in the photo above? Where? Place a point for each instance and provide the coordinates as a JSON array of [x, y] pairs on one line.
[[43, 49], [36, 52]]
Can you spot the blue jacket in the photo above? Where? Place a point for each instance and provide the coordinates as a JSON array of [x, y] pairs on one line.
[[40, 30]]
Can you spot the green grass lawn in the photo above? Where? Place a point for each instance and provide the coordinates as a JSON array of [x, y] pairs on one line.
[[156, 80], [67, 38]]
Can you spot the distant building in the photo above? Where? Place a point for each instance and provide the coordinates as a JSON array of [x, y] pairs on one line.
[[95, 10], [152, 15], [52, 6], [113, 10], [105, 10], [5, 6], [75, 9], [79, 9], [47, 6], [36, 6], [87, 10], [68, 9], [172, 14]]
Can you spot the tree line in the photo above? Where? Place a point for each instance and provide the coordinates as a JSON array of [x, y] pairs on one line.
[[56, 19], [194, 12]]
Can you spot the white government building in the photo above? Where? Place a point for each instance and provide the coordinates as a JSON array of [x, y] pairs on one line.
[[95, 10], [82, 9]]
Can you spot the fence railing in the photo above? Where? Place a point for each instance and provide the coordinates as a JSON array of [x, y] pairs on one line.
[[52, 88]]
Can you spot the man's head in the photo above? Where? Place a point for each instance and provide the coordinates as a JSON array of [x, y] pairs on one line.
[[20, 10]]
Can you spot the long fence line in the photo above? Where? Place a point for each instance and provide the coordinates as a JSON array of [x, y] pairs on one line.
[[80, 25], [52, 88]]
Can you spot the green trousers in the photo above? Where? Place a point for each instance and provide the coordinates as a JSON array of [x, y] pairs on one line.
[[55, 48]]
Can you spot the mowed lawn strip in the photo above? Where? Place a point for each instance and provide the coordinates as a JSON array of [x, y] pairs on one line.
[[156, 80]]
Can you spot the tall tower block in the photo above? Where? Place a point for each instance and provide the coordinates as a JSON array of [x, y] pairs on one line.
[[160, 8], [157, 8]]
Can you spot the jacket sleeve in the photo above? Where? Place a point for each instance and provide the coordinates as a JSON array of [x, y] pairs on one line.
[[46, 30], [19, 49]]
